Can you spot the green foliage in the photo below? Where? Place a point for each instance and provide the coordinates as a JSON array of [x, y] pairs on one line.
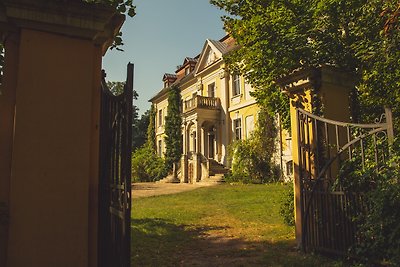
[[140, 127], [151, 129], [252, 158], [277, 37], [173, 122], [117, 88], [379, 230], [147, 166], [125, 7], [286, 209]]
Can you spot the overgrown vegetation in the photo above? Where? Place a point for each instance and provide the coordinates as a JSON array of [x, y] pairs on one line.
[[379, 224], [286, 209], [173, 132], [361, 37], [277, 37], [252, 158], [147, 166]]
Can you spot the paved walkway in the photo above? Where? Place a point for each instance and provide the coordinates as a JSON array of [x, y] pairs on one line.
[[155, 189]]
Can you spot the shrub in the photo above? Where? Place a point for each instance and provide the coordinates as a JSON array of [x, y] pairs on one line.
[[252, 158], [379, 227], [286, 209], [147, 166]]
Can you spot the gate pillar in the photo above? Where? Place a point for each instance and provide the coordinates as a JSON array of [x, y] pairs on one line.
[[49, 115], [324, 91]]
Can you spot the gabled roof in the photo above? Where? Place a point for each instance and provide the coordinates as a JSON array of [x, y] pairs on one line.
[[219, 48], [169, 76]]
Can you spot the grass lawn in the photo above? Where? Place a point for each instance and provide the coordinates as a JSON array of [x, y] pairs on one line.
[[222, 225]]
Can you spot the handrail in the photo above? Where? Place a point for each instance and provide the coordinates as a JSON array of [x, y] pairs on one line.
[[343, 124], [201, 102]]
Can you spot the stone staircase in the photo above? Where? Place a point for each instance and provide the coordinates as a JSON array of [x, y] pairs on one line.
[[217, 168], [217, 172], [168, 179], [218, 178]]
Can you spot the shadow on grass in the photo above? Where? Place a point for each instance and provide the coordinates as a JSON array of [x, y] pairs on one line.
[[157, 242]]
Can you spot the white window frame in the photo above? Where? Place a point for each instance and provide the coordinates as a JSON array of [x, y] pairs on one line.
[[236, 85], [237, 128]]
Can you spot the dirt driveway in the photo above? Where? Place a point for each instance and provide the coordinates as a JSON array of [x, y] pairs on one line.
[[156, 189]]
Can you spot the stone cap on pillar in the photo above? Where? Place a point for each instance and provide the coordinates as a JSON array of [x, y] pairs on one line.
[[74, 18], [314, 77]]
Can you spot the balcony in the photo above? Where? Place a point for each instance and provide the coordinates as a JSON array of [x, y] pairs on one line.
[[201, 102]]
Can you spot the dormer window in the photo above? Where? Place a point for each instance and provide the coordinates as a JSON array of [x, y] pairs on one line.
[[187, 70], [169, 79]]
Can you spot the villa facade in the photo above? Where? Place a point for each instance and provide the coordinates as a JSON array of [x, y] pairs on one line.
[[217, 109]]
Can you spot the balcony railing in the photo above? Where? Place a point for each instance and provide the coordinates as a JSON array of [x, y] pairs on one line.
[[201, 102]]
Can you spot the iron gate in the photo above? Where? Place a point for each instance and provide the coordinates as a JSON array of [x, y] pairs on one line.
[[115, 175], [327, 207]]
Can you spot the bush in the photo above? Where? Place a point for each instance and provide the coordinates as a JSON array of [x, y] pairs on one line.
[[379, 227], [147, 166], [252, 158], [286, 209]]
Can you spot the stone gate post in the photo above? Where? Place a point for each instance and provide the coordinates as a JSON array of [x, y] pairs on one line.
[[49, 130], [324, 90]]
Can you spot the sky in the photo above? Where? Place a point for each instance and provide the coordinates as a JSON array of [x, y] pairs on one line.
[[158, 38]]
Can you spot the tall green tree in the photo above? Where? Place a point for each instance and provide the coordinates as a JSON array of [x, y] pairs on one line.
[[151, 129], [277, 37], [173, 132]]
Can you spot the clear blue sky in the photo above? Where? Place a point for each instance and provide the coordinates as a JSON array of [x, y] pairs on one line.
[[158, 38]]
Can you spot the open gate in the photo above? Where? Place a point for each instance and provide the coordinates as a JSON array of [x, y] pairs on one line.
[[327, 208], [115, 175]]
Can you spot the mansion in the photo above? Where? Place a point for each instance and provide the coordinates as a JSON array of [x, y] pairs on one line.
[[217, 109]]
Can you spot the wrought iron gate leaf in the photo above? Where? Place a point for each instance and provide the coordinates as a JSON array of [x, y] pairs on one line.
[[327, 208], [115, 175]]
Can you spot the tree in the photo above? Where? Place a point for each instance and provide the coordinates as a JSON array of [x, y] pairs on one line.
[[151, 129], [140, 130], [277, 37], [173, 138]]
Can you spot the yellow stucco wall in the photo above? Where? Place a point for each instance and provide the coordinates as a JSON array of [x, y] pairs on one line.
[[53, 218], [243, 113]]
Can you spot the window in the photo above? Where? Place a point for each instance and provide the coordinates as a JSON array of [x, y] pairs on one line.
[[249, 125], [236, 85], [160, 148], [237, 128], [211, 90], [289, 168], [187, 71], [160, 118]]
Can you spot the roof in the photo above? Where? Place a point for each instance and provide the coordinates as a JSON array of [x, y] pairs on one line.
[[222, 47], [169, 76]]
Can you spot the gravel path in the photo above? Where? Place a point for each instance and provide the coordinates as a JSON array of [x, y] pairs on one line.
[[156, 189]]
